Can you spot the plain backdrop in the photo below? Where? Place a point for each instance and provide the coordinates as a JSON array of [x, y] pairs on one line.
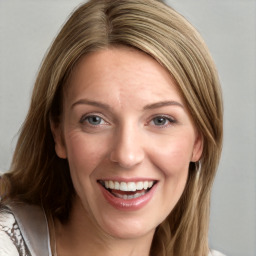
[[27, 28]]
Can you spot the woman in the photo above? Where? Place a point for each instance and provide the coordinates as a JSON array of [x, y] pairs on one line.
[[122, 139]]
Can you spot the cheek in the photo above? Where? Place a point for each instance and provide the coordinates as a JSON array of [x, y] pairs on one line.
[[84, 153], [84, 156], [174, 156], [173, 162]]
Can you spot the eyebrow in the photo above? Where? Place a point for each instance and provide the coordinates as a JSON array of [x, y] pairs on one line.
[[147, 107], [163, 104], [90, 102]]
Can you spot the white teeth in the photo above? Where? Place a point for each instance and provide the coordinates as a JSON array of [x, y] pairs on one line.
[[111, 184], [117, 185], [139, 185], [128, 186], [131, 186], [129, 196], [145, 184], [123, 186]]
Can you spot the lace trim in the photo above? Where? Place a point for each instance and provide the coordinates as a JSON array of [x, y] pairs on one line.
[[9, 226]]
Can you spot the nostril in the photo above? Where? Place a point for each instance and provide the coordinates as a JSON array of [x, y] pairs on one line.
[[126, 159], [127, 148]]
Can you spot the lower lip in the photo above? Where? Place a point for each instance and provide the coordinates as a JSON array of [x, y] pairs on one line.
[[128, 204]]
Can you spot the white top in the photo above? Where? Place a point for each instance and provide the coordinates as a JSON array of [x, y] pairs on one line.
[[215, 253]]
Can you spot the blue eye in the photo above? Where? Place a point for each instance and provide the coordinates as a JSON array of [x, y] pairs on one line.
[[162, 121], [92, 120]]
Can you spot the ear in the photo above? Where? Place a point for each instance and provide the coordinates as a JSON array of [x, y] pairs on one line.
[[60, 147], [198, 148]]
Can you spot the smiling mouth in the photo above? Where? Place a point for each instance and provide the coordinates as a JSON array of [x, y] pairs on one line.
[[127, 190]]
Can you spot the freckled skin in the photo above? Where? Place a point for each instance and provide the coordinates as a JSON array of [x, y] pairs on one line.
[[127, 143]]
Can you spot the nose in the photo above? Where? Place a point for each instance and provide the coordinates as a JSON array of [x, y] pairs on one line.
[[127, 149]]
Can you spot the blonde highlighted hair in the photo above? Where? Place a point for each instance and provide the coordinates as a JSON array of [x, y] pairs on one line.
[[38, 176]]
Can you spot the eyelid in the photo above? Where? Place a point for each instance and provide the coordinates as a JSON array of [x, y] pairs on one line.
[[83, 118], [171, 120]]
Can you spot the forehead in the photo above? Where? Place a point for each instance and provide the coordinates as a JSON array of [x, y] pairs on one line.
[[121, 73]]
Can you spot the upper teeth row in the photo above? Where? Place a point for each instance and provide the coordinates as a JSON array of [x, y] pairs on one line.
[[128, 186]]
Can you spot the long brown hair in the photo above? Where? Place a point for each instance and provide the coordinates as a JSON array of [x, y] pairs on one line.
[[39, 177]]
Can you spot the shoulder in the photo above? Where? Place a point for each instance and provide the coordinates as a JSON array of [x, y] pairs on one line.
[[215, 253], [11, 240], [26, 227]]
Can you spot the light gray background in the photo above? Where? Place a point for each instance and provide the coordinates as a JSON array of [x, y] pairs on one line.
[[27, 28]]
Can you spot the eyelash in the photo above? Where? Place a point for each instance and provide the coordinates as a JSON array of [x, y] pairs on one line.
[[85, 118], [166, 119]]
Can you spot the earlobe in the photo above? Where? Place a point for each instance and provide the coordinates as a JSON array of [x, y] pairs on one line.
[[198, 148], [60, 148]]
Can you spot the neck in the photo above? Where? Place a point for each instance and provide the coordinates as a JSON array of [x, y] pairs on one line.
[[81, 237]]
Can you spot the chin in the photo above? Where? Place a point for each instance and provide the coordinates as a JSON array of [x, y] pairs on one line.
[[127, 228]]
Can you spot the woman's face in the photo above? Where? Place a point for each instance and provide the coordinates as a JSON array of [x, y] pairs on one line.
[[128, 138]]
